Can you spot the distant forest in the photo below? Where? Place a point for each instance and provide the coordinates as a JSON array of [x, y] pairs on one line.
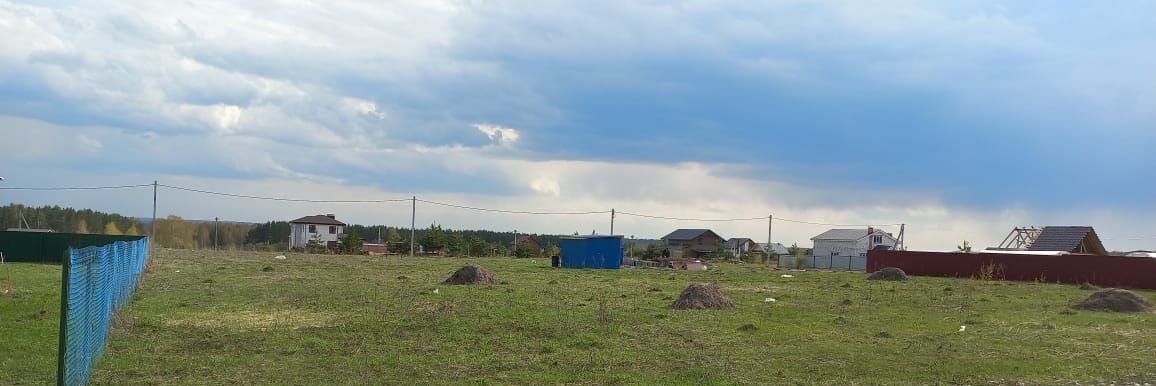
[[175, 232]]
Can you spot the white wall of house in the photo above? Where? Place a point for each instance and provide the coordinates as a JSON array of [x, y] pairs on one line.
[[847, 254], [300, 234]]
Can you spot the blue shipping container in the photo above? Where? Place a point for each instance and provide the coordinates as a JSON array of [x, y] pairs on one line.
[[596, 251]]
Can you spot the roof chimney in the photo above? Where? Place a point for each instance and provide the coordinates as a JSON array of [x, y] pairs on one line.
[[330, 215]]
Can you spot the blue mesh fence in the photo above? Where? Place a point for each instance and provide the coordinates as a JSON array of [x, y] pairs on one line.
[[97, 282]]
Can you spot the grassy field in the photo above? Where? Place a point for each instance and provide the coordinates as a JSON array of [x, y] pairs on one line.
[[205, 318], [29, 323]]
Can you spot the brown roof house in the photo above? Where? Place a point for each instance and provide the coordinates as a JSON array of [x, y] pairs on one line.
[[325, 229], [692, 243], [523, 240]]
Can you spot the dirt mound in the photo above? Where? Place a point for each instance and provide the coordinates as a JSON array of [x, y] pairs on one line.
[[471, 274], [889, 274], [702, 297], [1115, 299]]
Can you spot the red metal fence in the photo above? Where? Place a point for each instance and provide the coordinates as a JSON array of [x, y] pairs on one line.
[[1115, 271]]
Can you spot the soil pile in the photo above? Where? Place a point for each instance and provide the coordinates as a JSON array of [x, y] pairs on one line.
[[1115, 299], [889, 274], [472, 274], [702, 297]]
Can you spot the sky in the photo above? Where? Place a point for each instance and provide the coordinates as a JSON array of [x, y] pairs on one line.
[[959, 119]]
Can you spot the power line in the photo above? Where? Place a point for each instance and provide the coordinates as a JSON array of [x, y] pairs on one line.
[[510, 211], [692, 219], [832, 225], [77, 187], [279, 198], [284, 199]]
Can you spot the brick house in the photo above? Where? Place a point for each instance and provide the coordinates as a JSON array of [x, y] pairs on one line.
[[693, 243]]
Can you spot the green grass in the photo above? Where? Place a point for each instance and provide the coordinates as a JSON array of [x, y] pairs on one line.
[[204, 318], [29, 323]]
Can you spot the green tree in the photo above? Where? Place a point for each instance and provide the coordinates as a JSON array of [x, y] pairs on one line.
[[351, 243], [653, 250], [433, 239], [315, 245], [798, 255], [553, 250], [478, 247], [524, 251], [392, 235], [500, 249], [111, 229], [457, 244]]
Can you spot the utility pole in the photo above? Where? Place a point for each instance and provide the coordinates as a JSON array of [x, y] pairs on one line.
[[216, 232], [412, 221], [611, 221], [515, 251], [153, 227], [770, 244]]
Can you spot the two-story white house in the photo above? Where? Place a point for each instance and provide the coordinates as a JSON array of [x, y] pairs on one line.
[[323, 228], [847, 248]]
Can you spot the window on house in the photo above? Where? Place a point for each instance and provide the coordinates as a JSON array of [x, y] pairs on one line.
[[878, 239], [834, 253], [312, 229], [332, 229]]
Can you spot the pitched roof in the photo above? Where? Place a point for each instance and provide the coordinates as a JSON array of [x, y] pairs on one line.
[[1069, 239], [737, 241], [842, 234], [317, 219], [687, 234], [524, 238], [777, 248]]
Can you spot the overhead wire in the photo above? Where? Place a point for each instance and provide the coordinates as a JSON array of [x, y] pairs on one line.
[[75, 187], [691, 219], [474, 208], [280, 198], [510, 211]]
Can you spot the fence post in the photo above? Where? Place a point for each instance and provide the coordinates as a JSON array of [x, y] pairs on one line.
[[62, 346]]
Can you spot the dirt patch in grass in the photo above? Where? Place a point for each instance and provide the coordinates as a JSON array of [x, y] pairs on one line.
[[290, 319], [471, 274], [702, 297], [1114, 299], [888, 274]]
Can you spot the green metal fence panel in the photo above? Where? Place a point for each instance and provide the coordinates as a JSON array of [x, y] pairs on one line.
[[50, 247]]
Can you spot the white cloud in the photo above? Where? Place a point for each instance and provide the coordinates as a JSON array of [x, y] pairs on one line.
[[546, 186], [497, 133]]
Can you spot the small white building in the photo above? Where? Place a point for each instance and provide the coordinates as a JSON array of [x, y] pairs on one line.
[[323, 228], [847, 248]]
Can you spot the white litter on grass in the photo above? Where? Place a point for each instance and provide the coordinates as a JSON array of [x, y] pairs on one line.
[[786, 275], [178, 271], [962, 328], [533, 261], [769, 300], [435, 291], [279, 257]]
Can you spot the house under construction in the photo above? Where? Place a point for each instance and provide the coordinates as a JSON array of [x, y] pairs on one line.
[[1071, 239]]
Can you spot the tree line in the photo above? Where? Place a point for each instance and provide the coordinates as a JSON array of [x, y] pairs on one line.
[[67, 220], [176, 232]]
